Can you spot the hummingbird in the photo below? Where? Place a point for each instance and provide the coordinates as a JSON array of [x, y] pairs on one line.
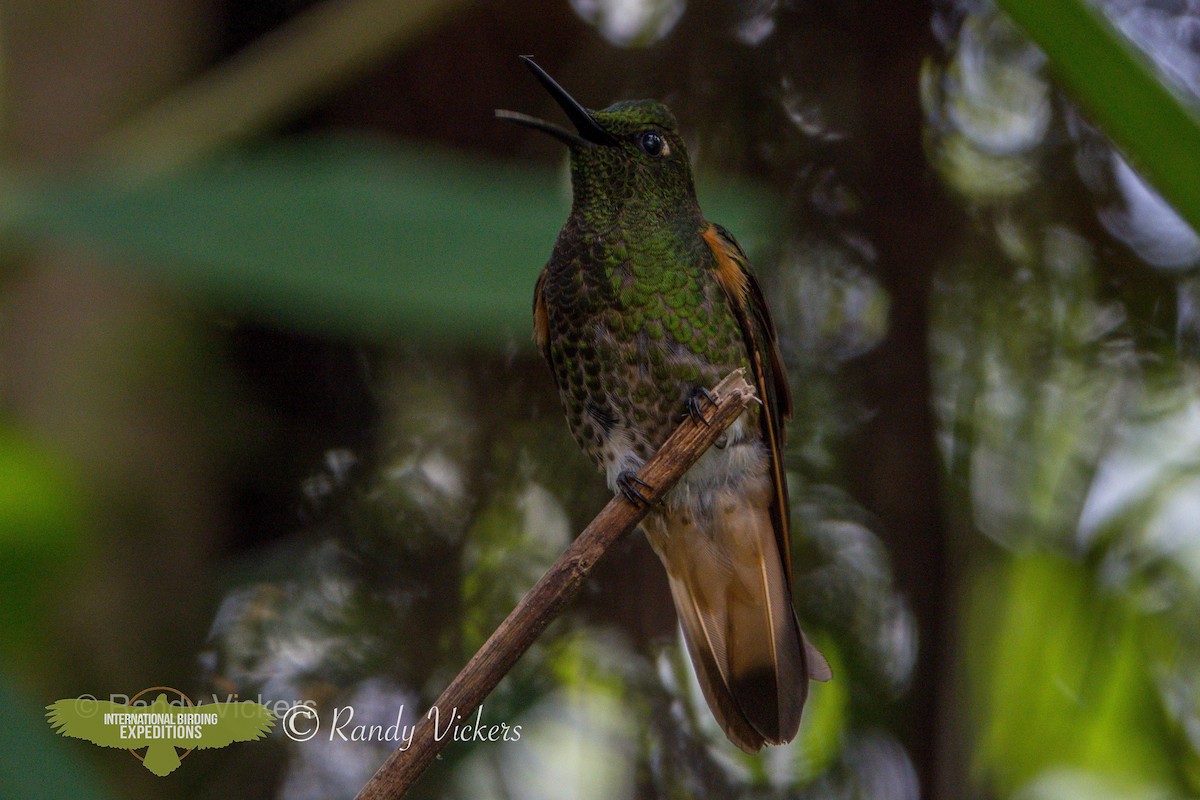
[[642, 305]]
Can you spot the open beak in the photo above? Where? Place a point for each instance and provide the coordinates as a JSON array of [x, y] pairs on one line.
[[588, 131]]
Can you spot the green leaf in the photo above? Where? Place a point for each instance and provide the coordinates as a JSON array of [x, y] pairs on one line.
[[342, 236], [1157, 132], [42, 533], [1060, 678]]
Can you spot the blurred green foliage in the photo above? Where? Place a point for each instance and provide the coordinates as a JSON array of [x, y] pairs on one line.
[[1061, 670], [1056, 388], [42, 534], [1159, 132], [340, 236]]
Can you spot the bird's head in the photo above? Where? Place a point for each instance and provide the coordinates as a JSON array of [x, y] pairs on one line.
[[627, 157]]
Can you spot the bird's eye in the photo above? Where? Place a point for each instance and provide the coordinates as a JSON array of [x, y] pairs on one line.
[[652, 144]]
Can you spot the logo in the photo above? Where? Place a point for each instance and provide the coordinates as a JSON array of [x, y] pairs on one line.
[[161, 726]]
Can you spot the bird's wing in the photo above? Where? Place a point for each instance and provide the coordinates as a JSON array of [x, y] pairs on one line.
[[237, 722], [541, 320], [83, 718], [770, 379]]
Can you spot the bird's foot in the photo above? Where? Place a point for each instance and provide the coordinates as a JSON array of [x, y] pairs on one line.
[[630, 486], [693, 404]]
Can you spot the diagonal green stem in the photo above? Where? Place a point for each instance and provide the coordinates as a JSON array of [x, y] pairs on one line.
[[1157, 132]]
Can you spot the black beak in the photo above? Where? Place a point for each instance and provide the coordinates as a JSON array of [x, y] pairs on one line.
[[589, 131]]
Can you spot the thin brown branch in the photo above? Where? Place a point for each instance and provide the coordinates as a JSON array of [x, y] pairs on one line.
[[560, 583]]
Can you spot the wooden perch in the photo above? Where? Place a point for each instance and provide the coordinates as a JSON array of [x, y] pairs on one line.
[[560, 583]]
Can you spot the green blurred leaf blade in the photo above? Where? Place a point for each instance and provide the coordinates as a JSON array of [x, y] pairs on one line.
[[342, 236]]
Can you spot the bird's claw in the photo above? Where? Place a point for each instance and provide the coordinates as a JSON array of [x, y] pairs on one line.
[[630, 486], [693, 404]]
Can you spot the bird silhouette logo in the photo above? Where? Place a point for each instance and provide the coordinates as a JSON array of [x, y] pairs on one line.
[[161, 727]]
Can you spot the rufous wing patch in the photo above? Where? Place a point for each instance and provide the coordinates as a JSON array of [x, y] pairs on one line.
[[730, 275]]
